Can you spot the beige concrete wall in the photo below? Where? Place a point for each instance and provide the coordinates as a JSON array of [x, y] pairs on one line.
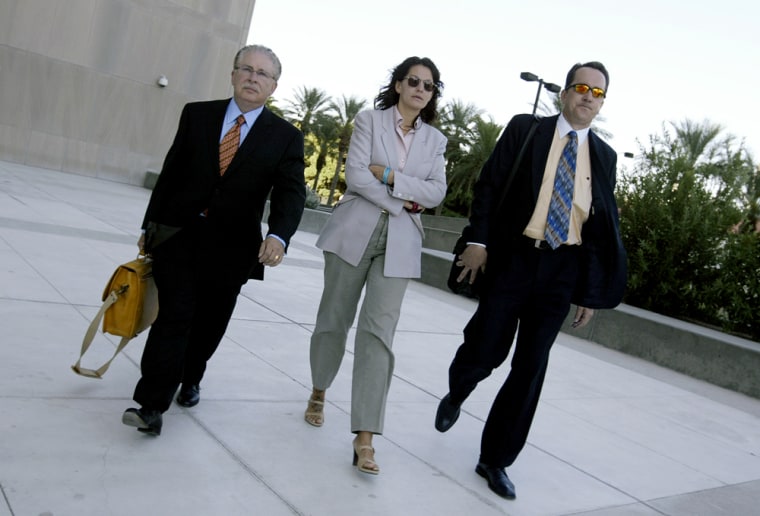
[[78, 89]]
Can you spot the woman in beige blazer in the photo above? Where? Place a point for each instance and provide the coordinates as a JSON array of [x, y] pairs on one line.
[[373, 241]]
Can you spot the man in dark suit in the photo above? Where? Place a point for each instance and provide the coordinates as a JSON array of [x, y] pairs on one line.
[[538, 262], [202, 227]]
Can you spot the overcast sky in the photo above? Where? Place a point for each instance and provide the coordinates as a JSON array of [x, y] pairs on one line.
[[668, 60]]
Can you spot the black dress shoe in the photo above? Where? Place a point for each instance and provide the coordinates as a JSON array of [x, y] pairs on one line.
[[189, 395], [146, 421], [447, 414], [498, 480]]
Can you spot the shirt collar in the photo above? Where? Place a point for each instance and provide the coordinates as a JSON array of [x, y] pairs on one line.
[[400, 119], [233, 111], [564, 127]]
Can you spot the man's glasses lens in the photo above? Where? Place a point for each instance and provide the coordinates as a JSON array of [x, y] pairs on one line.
[[251, 71], [413, 82], [584, 88]]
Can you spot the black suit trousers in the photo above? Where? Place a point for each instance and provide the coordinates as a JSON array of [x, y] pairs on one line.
[[194, 311], [528, 293]]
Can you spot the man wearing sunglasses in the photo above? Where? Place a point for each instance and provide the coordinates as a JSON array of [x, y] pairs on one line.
[[553, 241]]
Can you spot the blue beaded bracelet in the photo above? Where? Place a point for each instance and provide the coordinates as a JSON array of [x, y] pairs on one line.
[[386, 173]]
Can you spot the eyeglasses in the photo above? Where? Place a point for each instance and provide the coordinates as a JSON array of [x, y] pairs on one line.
[[261, 74], [413, 82], [584, 88]]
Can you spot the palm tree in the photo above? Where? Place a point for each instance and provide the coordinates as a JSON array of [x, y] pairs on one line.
[[325, 133], [458, 122], [467, 169], [550, 109], [307, 104], [301, 111], [270, 103], [344, 112], [696, 139]]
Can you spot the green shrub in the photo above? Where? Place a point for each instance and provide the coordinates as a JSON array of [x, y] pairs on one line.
[[679, 219]]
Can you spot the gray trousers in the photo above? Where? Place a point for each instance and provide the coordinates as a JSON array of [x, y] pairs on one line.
[[378, 318]]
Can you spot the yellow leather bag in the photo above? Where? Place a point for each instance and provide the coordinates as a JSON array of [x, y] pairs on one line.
[[130, 305]]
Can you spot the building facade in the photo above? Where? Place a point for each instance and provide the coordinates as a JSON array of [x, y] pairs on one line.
[[95, 87]]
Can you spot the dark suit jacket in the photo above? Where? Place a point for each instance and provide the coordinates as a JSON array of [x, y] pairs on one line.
[[270, 160], [603, 267]]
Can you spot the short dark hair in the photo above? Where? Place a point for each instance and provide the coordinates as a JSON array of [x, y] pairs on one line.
[[388, 96], [596, 65]]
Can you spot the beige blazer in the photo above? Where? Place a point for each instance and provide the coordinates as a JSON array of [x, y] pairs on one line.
[[355, 216]]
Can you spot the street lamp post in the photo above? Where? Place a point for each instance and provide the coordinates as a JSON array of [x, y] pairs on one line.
[[531, 77]]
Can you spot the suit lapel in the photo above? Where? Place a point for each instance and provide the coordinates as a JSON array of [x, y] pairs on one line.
[[418, 149], [388, 137], [542, 144], [594, 155]]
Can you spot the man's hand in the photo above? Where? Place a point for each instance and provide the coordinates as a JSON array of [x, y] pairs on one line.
[[271, 252], [473, 258], [582, 316]]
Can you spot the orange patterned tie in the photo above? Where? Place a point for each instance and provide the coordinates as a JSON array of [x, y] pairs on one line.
[[229, 145]]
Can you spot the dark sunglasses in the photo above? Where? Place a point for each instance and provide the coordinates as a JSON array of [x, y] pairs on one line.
[[413, 82], [584, 88]]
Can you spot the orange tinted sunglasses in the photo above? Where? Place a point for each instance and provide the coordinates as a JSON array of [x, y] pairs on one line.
[[584, 88]]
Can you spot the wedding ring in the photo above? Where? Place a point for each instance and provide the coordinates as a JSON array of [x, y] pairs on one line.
[[276, 257]]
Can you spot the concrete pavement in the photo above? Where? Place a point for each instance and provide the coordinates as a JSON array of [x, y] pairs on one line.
[[613, 435]]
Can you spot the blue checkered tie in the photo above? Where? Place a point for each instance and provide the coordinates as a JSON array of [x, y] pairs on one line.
[[558, 218]]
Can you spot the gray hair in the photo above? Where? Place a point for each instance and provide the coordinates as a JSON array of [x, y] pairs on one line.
[[263, 50]]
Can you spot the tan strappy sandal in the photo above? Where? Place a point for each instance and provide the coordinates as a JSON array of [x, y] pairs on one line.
[[364, 459], [315, 412]]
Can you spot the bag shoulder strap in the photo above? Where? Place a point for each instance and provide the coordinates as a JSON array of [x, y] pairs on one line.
[[90, 335], [517, 162]]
